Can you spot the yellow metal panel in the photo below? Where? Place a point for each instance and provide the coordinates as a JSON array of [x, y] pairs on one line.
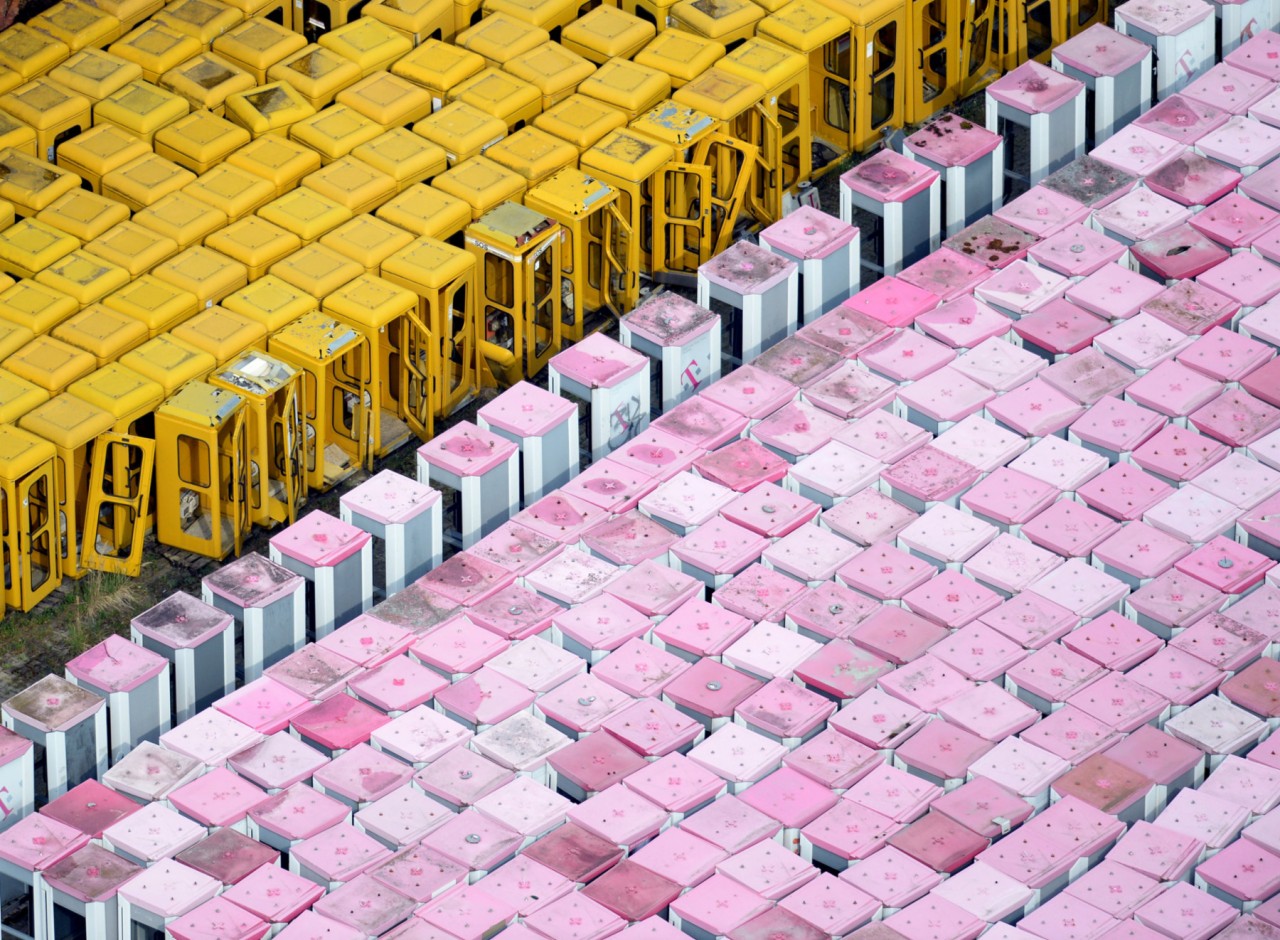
[[222, 333], [31, 184], [534, 154], [504, 96], [96, 152], [18, 396], [498, 37], [387, 100], [481, 184], [354, 184], [204, 20], [53, 112], [335, 131], [30, 52], [83, 276], [416, 20]]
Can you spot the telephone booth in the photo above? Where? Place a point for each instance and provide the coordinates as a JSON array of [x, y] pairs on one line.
[[222, 333], [683, 56], [415, 20], [785, 113], [1029, 29], [334, 360], [32, 563], [202, 454], [729, 22], [387, 314], [71, 426], [581, 121], [316, 73], [551, 68], [131, 399], [518, 254], [440, 375], [53, 112], [498, 38], [858, 54], [168, 362], [551, 15], [631, 163], [438, 66], [272, 302], [277, 470], [980, 57], [600, 258]]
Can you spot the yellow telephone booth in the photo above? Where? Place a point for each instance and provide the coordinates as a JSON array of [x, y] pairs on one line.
[[387, 314], [1029, 29], [154, 302], [78, 25], [316, 73], [461, 130], [415, 20], [334, 360], [442, 374], [552, 69], [551, 15], [607, 33], [482, 184], [53, 112], [368, 241], [71, 426], [438, 66], [581, 121], [498, 37], [95, 73], [785, 111], [600, 260], [744, 178], [29, 540], [206, 81], [630, 163], [104, 333], [277, 450], [683, 56], [202, 455], [857, 51], [272, 302], [533, 154], [131, 399], [517, 251], [168, 362], [627, 86], [729, 22], [222, 333]]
